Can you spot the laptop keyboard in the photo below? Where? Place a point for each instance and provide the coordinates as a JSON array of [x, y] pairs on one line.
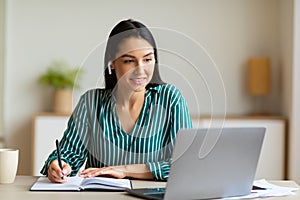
[[148, 193], [151, 191]]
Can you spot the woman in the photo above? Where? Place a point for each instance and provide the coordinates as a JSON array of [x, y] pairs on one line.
[[127, 129]]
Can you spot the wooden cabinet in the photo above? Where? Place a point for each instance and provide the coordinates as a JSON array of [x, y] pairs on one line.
[[272, 162], [46, 128]]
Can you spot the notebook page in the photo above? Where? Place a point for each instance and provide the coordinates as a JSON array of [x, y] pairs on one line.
[[105, 183], [43, 184]]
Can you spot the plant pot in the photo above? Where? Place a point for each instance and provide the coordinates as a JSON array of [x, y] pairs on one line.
[[62, 101]]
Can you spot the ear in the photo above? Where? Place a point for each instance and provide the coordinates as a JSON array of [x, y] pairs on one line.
[[112, 65]]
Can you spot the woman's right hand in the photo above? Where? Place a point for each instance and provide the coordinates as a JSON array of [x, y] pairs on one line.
[[55, 174]]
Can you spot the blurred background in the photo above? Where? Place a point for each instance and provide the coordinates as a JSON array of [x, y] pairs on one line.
[[33, 33]]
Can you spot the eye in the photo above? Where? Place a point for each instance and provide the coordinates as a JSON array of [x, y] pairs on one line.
[[128, 61], [148, 60]]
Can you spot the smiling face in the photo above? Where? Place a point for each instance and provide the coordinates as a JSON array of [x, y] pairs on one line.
[[134, 64]]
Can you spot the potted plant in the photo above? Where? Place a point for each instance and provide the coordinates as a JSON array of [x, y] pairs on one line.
[[62, 78]]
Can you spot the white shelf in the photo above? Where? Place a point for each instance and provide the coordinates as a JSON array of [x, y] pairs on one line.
[[272, 161], [46, 129]]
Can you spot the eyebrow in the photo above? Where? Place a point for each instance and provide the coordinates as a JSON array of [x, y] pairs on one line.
[[127, 55]]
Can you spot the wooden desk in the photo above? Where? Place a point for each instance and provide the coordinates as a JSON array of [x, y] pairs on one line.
[[20, 190]]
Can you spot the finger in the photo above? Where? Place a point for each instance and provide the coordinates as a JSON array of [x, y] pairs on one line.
[[91, 172], [87, 171], [53, 177], [66, 169], [97, 172], [57, 179], [91, 169], [112, 173], [55, 167], [55, 172]]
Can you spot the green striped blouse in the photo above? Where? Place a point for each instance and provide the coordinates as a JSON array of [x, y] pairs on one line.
[[94, 133]]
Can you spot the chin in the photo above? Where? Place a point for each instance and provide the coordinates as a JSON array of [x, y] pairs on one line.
[[139, 88]]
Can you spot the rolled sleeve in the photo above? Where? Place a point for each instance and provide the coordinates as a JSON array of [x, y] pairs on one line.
[[159, 170]]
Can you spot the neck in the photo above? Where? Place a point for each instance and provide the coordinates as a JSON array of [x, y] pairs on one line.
[[129, 99]]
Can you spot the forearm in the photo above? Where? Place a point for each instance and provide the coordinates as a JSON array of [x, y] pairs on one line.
[[139, 171]]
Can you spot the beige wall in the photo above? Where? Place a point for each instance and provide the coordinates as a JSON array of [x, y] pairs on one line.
[[40, 31], [2, 12], [290, 65], [286, 53], [295, 99], [288, 30]]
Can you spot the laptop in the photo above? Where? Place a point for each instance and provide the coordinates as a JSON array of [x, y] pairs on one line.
[[210, 163]]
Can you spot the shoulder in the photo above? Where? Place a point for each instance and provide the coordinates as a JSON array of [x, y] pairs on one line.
[[169, 92], [91, 101], [97, 94]]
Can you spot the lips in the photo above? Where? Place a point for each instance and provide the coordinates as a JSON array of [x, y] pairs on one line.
[[138, 81]]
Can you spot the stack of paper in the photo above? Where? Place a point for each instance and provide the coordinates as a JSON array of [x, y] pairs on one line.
[[267, 190]]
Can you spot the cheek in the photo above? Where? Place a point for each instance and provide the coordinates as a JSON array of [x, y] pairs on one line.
[[150, 71], [123, 70]]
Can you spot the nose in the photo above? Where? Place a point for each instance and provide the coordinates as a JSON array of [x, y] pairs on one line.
[[139, 67], [140, 63]]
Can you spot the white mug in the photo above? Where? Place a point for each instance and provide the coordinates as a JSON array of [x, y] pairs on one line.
[[8, 165]]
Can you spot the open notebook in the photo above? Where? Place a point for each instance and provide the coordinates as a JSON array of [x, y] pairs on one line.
[[80, 184]]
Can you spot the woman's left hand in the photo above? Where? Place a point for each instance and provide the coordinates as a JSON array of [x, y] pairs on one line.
[[114, 171]]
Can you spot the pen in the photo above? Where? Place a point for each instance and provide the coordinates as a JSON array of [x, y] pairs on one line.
[[58, 157]]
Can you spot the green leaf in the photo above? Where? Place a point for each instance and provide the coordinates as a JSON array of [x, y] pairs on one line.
[[60, 75]]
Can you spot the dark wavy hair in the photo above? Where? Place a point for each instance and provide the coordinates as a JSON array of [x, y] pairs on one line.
[[124, 30]]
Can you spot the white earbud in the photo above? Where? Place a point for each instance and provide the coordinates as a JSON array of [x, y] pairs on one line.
[[109, 67]]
